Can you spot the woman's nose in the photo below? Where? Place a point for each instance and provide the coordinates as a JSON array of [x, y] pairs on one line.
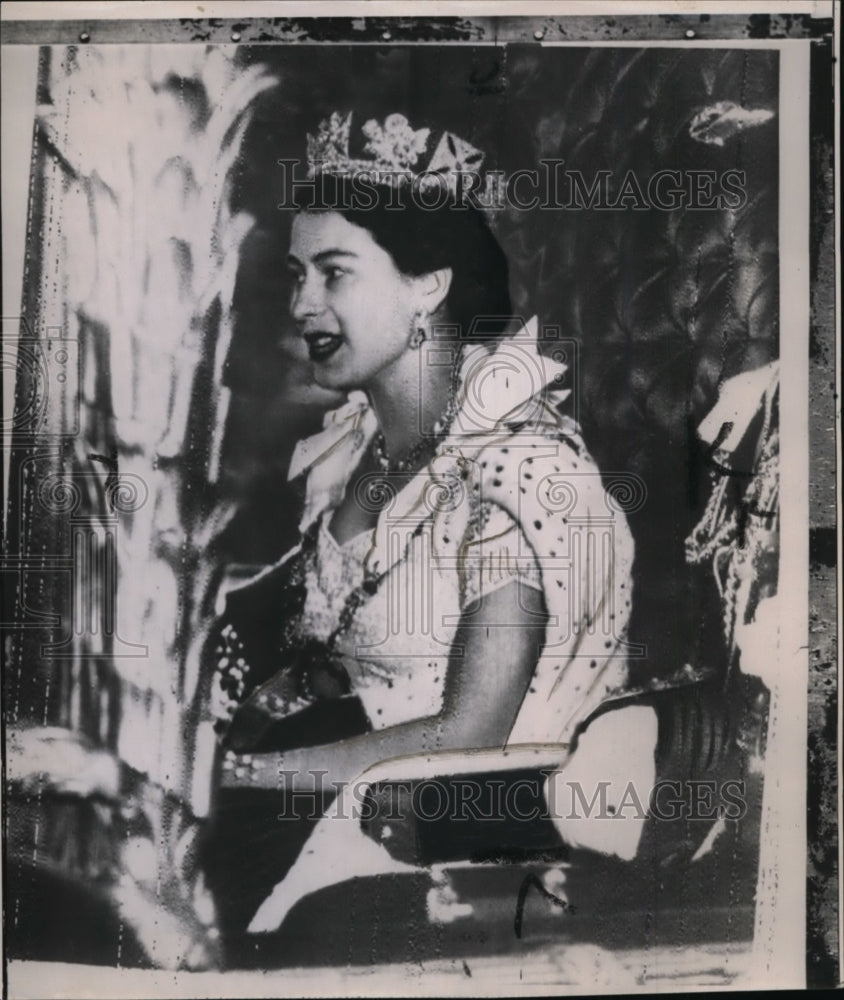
[[307, 299]]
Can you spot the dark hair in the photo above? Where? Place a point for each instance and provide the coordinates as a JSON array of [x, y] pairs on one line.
[[421, 240]]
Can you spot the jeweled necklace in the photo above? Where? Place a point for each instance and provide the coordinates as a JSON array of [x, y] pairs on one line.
[[425, 443]]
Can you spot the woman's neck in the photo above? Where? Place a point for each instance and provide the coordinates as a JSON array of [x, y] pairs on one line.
[[409, 398]]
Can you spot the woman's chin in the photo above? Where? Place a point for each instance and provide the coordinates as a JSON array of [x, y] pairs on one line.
[[333, 381]]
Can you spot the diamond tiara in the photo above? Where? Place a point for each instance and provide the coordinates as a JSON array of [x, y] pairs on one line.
[[394, 152]]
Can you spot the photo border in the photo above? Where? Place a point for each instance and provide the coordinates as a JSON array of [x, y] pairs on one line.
[[812, 632]]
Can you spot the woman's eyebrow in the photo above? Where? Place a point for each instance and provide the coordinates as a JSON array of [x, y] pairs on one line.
[[321, 257]]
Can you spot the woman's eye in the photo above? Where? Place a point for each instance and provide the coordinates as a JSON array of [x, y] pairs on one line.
[[334, 273], [296, 277]]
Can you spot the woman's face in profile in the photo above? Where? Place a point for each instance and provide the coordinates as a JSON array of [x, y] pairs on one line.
[[352, 305]]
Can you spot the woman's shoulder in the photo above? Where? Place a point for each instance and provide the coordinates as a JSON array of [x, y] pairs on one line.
[[550, 444], [542, 470]]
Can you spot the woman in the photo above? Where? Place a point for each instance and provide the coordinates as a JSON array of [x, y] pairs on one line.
[[463, 579]]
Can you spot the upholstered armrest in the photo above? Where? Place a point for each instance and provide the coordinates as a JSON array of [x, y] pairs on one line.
[[507, 805], [665, 761], [521, 803]]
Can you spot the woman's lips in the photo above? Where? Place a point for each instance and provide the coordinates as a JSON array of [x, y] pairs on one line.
[[322, 345]]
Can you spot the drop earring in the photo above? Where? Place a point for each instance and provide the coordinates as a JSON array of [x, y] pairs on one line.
[[420, 330]]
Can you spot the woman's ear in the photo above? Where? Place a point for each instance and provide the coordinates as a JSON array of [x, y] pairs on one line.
[[433, 289]]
